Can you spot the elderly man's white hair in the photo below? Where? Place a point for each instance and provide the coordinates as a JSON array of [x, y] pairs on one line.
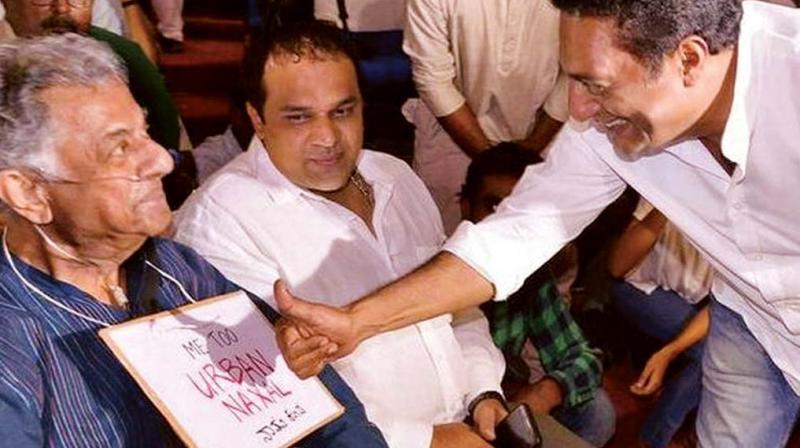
[[27, 68]]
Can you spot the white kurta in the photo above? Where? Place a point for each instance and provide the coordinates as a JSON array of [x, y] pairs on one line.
[[498, 56]]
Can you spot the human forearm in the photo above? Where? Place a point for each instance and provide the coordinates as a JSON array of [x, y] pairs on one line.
[[694, 331], [635, 243], [462, 126], [443, 285], [542, 133]]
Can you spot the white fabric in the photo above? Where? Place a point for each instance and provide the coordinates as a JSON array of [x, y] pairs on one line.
[[746, 225], [256, 226], [170, 18], [108, 14], [438, 161], [364, 15], [673, 264], [489, 54], [214, 153], [6, 33]]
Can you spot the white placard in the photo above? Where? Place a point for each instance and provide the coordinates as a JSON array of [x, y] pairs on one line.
[[214, 370]]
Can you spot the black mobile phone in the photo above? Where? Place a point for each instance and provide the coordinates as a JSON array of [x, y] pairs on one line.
[[518, 430]]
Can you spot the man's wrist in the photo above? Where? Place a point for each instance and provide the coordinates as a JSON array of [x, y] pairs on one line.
[[487, 395], [361, 322]]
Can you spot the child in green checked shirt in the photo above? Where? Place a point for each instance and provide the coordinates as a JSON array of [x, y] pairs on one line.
[[535, 318]]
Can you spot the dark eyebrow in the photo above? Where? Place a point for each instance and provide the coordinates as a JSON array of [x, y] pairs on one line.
[[289, 108], [349, 101]]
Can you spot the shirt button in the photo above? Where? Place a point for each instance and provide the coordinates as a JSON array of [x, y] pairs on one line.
[[738, 205], [755, 257]]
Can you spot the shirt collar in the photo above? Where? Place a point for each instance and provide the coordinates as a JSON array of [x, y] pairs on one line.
[[739, 127]]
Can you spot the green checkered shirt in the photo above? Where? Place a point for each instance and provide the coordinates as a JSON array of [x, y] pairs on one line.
[[536, 312]]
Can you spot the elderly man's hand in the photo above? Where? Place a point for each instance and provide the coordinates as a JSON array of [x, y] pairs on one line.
[[312, 319], [306, 356]]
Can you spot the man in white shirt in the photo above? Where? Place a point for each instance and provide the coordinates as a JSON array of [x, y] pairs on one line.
[[696, 105], [486, 72], [306, 204]]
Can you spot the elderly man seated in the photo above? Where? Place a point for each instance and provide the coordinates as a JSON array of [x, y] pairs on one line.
[[307, 204], [80, 181]]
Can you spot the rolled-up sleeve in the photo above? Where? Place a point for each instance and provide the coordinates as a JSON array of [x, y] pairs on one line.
[[426, 42], [549, 207]]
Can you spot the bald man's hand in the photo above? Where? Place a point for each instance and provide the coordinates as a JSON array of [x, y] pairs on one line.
[[306, 320]]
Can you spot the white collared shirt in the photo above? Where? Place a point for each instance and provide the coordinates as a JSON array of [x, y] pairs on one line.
[[256, 226], [747, 225], [672, 264], [499, 56]]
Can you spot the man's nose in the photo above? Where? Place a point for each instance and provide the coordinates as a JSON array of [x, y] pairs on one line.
[[324, 132]]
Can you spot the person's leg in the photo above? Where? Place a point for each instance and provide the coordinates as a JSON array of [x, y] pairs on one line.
[[594, 421], [746, 400], [660, 314], [438, 161], [681, 394], [170, 18]]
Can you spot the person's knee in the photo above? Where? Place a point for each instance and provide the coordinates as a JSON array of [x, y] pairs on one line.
[[594, 421], [604, 417]]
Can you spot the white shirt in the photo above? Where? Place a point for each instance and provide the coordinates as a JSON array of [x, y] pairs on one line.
[[746, 225], [108, 14], [499, 56], [672, 264], [364, 15], [256, 226]]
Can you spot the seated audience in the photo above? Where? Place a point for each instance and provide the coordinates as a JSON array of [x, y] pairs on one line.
[[535, 323], [80, 186], [28, 19], [663, 291], [306, 204]]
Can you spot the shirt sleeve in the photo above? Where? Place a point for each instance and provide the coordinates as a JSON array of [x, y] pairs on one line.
[[432, 63], [550, 206], [563, 350], [484, 361]]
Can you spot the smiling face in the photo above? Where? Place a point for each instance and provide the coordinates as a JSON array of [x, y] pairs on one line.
[[640, 111], [312, 123], [108, 185]]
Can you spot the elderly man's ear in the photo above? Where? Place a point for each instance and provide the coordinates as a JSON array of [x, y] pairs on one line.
[[25, 196]]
